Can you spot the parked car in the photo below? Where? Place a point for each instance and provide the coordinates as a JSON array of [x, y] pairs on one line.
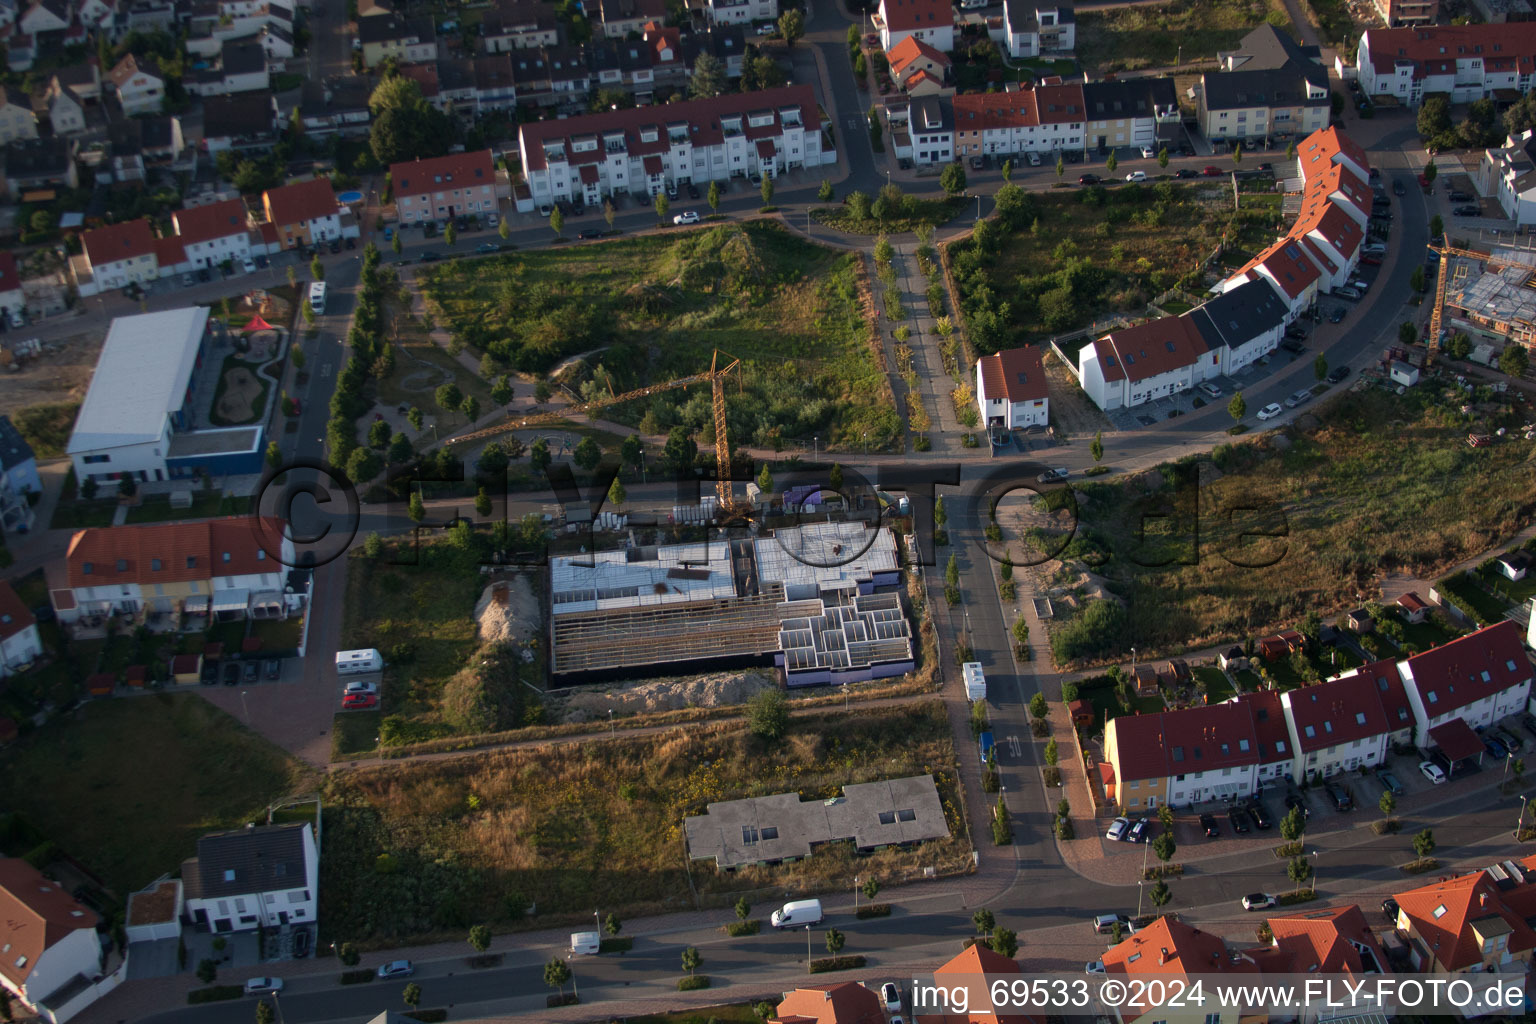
[[232, 673], [1528, 723], [1296, 331], [590, 233], [1494, 747], [1294, 800], [1300, 397], [1389, 783], [1208, 823], [686, 217], [1371, 261], [1105, 923], [1467, 211], [255, 986], [1239, 819], [1337, 315], [272, 668], [487, 247], [359, 702], [1431, 771], [1088, 179], [1342, 801], [1258, 901], [1095, 967], [351, 242], [1460, 197], [1117, 829], [1295, 346], [1147, 153], [1050, 476], [205, 275], [693, 190], [978, 162], [1186, 172], [1034, 159], [1212, 171], [396, 969], [1508, 738], [1211, 390], [1270, 411], [210, 673], [1374, 249], [248, 265], [360, 687], [335, 245], [1266, 168], [300, 944], [1136, 176], [1338, 374], [1138, 831], [1347, 293], [1399, 189], [1389, 909], [187, 280], [891, 996], [1260, 816]]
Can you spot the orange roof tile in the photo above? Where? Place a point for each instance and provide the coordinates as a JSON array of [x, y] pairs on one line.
[[910, 49], [170, 552], [1167, 949], [1446, 914], [845, 1003], [14, 615], [456, 170], [1015, 373], [302, 202], [35, 915], [1328, 941], [207, 223]]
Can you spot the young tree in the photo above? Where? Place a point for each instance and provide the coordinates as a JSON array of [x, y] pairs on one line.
[[379, 434], [768, 715], [557, 221], [835, 941], [632, 451], [765, 480], [1407, 333], [1164, 846], [1162, 158], [264, 1012], [1165, 817], [609, 212], [1424, 843], [293, 278], [871, 887], [617, 495], [824, 194], [538, 455], [451, 232], [1388, 804], [1237, 408], [984, 921], [1293, 824], [1052, 753], [1112, 163], [449, 397], [415, 509], [556, 973], [1038, 708], [767, 186], [482, 503], [501, 391], [415, 418], [952, 571], [470, 407], [373, 547], [952, 178], [363, 464], [940, 517], [662, 205], [1298, 870], [791, 26], [713, 195], [1061, 169], [1431, 172], [1160, 894], [274, 454], [588, 454], [504, 229], [743, 909], [1436, 228], [612, 925], [541, 391], [207, 971], [480, 935], [1008, 171], [348, 955], [691, 960], [396, 244], [1096, 446], [1320, 366], [835, 476], [1237, 155], [316, 268], [1005, 941]]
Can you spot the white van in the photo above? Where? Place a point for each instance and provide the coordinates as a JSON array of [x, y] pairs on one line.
[[797, 914], [586, 943], [317, 298], [354, 663]]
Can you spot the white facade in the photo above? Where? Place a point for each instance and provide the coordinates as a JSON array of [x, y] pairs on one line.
[[1327, 761], [1466, 62], [16, 119], [78, 953], [1430, 704], [1029, 30], [234, 912], [142, 93], [120, 273], [1216, 784], [1509, 176], [741, 12], [932, 22], [20, 649]]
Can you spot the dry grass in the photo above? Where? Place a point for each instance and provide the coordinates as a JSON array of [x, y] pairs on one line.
[[1154, 35], [600, 825]]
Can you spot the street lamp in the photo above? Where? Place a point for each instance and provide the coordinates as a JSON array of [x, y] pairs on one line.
[[1520, 825], [1140, 888], [575, 989], [1315, 856], [245, 707], [855, 893], [612, 734], [807, 949], [278, 1003]]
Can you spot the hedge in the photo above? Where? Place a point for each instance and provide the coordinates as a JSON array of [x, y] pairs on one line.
[[214, 994], [693, 982], [836, 963]]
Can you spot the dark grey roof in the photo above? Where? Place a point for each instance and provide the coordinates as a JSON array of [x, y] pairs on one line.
[[247, 860], [1136, 97], [620, 55], [33, 158], [930, 114], [391, 28], [1236, 317], [156, 132], [493, 72], [282, 32], [1023, 15], [15, 97], [455, 74], [241, 115], [126, 137], [14, 449], [1235, 90], [243, 58], [1267, 48]]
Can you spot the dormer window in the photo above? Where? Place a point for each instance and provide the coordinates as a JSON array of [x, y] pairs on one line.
[[154, 564], [226, 556], [122, 565]]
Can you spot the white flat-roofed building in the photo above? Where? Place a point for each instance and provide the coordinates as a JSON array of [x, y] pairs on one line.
[[669, 574], [821, 558]]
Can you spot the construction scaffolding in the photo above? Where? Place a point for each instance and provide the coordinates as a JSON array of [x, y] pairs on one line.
[[1497, 293], [852, 639]]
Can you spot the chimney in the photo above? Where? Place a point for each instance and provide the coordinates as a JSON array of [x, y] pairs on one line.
[[1482, 899], [1164, 958]]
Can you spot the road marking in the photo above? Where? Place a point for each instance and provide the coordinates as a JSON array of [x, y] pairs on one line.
[[325, 369], [855, 122], [1013, 746]]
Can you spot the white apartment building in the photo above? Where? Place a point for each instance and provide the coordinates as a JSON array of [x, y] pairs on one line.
[[1464, 62]]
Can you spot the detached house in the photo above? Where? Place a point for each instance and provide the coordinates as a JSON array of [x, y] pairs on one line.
[[1335, 727], [139, 85], [246, 122], [1476, 679], [741, 12], [53, 956], [845, 1002], [445, 187], [17, 121], [1472, 924], [912, 57], [1011, 391], [256, 877], [20, 643], [304, 214], [408, 40], [932, 21], [1031, 29], [1166, 951], [1129, 112], [212, 234], [120, 254], [66, 110], [1335, 942], [1269, 86]]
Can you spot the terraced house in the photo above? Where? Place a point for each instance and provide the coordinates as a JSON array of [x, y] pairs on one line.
[[1464, 62], [446, 187]]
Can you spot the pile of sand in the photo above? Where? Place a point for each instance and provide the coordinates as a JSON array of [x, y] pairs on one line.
[[507, 612], [586, 703]]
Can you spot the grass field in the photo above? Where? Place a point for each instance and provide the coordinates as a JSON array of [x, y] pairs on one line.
[[579, 826], [652, 309], [420, 366], [1155, 35], [205, 505], [1382, 485], [736, 1013], [46, 427], [87, 783]]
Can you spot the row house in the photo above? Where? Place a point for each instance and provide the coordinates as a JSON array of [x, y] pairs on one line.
[[1289, 269], [1462, 62], [1271, 733], [12, 298], [495, 84], [40, 163], [242, 68], [1241, 105], [255, 878], [1044, 119], [1030, 29], [246, 123], [552, 75], [220, 566], [305, 213], [1477, 923], [926, 132], [1336, 726], [1010, 390], [1241, 325], [407, 40], [213, 234], [17, 119], [618, 18], [1335, 942], [335, 107], [1140, 364], [446, 187], [49, 20], [1183, 757], [1130, 112], [20, 642], [120, 254], [741, 12], [519, 25], [138, 84], [644, 149], [1477, 679], [932, 21], [147, 16]]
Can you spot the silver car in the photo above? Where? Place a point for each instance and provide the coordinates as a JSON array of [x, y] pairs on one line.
[[1299, 398]]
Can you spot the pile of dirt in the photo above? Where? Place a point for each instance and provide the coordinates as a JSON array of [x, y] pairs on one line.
[[507, 612], [588, 703]]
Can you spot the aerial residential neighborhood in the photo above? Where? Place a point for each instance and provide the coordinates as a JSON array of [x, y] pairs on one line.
[[749, 511]]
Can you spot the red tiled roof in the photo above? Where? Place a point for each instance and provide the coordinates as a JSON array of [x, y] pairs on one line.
[[206, 223], [1435, 49], [14, 615], [1412, 602], [1339, 180], [1323, 148], [1390, 692], [1327, 942], [115, 242], [1445, 916], [456, 170], [169, 251], [1171, 949], [1015, 373], [1044, 104], [185, 664], [910, 49], [919, 77], [132, 65], [170, 552], [302, 202], [845, 1003], [425, 77], [969, 970], [1475, 666], [909, 15], [1287, 263], [1269, 727], [1331, 224], [1156, 347], [1337, 712], [35, 915], [1456, 739]]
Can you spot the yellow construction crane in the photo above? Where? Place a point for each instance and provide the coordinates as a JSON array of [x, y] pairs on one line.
[[1432, 340], [715, 376]]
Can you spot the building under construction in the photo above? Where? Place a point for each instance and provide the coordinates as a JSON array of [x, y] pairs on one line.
[[1497, 295], [821, 602]]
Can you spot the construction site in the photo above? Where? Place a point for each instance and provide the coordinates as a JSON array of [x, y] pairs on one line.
[[820, 602], [1492, 297]]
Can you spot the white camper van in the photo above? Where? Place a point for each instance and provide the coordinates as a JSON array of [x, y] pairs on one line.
[[797, 914], [586, 943], [356, 663]]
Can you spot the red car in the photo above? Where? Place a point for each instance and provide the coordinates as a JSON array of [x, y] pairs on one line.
[[359, 701], [1371, 261], [1213, 171]]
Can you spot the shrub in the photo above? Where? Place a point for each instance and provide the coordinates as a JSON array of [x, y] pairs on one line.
[[836, 963], [736, 929], [690, 984], [434, 1016], [874, 910], [356, 977], [214, 994]]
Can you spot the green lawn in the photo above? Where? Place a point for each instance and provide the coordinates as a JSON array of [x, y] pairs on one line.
[[658, 308], [355, 732], [258, 404], [914, 212], [1249, 682], [89, 785], [1514, 591], [1425, 635], [81, 515], [1465, 593], [1218, 686], [1154, 35], [735, 1013], [205, 505]]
